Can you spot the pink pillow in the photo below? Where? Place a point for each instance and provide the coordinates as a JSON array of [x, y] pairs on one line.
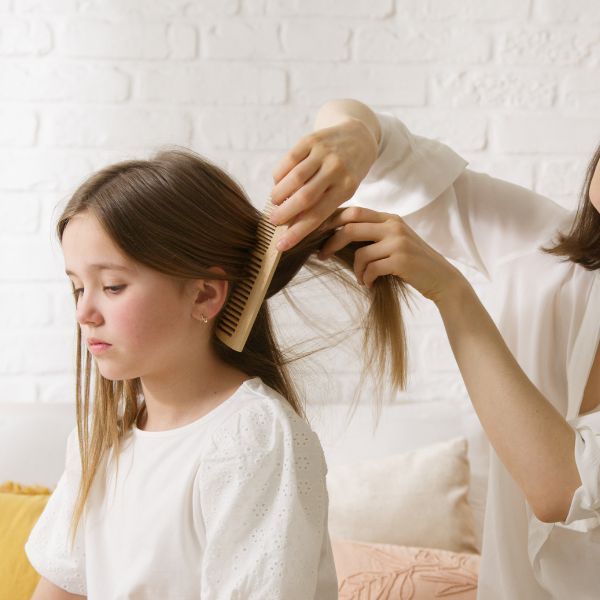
[[367, 571]]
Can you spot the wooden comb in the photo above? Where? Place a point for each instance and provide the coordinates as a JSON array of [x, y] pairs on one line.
[[239, 313]]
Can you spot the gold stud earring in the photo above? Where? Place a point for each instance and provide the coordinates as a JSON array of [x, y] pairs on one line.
[[204, 319]]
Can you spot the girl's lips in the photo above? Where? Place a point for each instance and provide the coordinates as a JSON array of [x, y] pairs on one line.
[[98, 348]]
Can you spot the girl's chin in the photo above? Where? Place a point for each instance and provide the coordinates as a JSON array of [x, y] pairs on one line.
[[113, 374]]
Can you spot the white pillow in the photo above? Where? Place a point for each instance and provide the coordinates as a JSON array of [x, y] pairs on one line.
[[418, 498]]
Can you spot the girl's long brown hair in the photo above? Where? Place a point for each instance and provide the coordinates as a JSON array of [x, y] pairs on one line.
[[582, 243], [180, 214]]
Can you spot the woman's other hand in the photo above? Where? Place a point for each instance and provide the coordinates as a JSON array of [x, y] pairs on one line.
[[395, 250], [324, 168]]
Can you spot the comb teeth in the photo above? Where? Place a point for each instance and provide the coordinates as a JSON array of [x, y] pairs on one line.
[[239, 314]]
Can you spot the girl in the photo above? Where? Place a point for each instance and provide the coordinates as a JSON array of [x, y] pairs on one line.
[[542, 523], [194, 473]]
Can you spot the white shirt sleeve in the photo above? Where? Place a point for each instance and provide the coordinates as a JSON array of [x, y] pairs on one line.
[[466, 216], [264, 505], [48, 547], [586, 499], [564, 555]]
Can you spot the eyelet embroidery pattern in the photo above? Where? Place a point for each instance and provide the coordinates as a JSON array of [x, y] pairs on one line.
[[264, 503], [263, 499], [48, 546]]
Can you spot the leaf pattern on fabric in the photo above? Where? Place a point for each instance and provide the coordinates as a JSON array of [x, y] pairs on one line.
[[387, 572]]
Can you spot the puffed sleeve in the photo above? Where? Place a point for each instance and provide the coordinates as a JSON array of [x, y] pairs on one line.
[[48, 546], [470, 217], [264, 506]]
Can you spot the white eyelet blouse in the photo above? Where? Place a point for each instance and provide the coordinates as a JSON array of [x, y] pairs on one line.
[[232, 505]]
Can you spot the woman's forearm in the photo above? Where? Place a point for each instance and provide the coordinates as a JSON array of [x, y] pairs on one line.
[[337, 111], [531, 438]]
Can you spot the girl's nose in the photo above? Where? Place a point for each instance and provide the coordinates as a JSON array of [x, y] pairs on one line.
[[86, 311]]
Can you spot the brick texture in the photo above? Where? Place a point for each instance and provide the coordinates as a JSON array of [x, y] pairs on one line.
[[513, 86]]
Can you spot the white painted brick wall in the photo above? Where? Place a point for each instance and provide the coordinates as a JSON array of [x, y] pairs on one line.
[[513, 86]]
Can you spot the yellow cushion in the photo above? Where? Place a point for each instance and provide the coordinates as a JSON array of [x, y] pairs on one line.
[[20, 508]]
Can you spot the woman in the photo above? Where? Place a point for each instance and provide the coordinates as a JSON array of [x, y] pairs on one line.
[[542, 526]]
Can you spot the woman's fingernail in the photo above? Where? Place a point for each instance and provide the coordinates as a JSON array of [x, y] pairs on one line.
[[282, 244]]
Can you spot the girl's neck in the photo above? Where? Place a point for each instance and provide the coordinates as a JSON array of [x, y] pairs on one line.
[[188, 396]]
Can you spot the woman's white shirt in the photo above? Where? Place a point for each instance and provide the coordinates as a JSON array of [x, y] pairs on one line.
[[232, 505], [548, 311]]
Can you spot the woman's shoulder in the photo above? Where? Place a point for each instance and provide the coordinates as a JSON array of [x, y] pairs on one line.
[[535, 260]]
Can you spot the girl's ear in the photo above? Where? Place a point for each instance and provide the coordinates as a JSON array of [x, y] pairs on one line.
[[211, 295]]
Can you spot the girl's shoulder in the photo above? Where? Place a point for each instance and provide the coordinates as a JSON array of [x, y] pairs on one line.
[[260, 420]]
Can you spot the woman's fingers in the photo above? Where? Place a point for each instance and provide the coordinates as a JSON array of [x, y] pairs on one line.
[[356, 224], [303, 173], [357, 214], [307, 196], [306, 222], [352, 232], [366, 255], [379, 268], [377, 259], [301, 187], [387, 233], [294, 157]]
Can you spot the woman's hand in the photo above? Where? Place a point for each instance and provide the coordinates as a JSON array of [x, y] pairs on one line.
[[396, 250], [319, 173]]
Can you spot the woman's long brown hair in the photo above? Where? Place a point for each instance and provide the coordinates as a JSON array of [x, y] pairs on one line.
[[179, 214], [582, 243]]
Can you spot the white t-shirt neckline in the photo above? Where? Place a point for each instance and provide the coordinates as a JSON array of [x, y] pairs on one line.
[[199, 422]]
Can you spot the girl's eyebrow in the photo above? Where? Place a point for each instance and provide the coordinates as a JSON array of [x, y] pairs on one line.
[[103, 267]]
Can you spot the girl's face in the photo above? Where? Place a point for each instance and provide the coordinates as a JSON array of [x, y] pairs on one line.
[[595, 188], [146, 316]]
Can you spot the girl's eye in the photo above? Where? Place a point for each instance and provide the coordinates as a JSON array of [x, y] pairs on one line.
[[115, 289]]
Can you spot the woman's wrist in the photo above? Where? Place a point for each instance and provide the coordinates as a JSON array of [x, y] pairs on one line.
[[458, 293], [335, 112]]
